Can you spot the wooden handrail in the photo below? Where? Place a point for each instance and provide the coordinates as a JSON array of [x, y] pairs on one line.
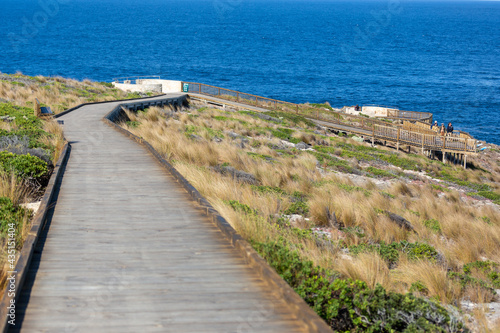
[[398, 114]]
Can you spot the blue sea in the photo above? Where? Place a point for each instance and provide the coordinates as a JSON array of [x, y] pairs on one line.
[[439, 57]]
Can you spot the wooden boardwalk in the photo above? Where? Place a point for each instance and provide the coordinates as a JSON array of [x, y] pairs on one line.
[[127, 250]]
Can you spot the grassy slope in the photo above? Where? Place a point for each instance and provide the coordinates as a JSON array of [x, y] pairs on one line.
[[57, 92], [451, 230]]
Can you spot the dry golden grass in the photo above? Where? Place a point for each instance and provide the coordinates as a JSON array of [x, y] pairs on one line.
[[433, 276], [56, 138], [14, 189], [57, 92], [367, 267]]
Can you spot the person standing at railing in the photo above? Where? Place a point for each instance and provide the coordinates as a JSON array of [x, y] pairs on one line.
[[449, 129], [435, 125], [443, 130]]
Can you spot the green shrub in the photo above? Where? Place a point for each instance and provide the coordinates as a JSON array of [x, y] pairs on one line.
[[388, 252], [417, 250], [391, 252], [489, 195], [303, 233], [379, 172], [433, 225], [484, 266], [255, 144], [268, 190], [284, 134], [419, 287], [11, 214], [403, 163], [331, 161], [448, 176], [348, 305], [298, 207], [133, 124], [488, 268], [24, 166], [220, 118], [107, 84], [365, 153], [388, 195], [131, 95], [260, 156], [486, 220], [239, 207], [440, 188], [28, 125], [467, 280], [352, 188], [322, 105]]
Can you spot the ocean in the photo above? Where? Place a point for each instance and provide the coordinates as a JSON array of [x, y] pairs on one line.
[[439, 57]]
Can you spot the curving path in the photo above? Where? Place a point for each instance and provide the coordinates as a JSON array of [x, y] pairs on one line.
[[126, 250]]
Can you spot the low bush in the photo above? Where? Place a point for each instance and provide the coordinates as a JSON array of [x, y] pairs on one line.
[[488, 268], [268, 190], [489, 195], [284, 134], [298, 207], [351, 306], [433, 225], [391, 252], [239, 207], [451, 177], [330, 161], [24, 166], [379, 172]]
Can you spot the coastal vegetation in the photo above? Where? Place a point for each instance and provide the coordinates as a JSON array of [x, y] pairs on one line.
[[371, 238], [356, 230]]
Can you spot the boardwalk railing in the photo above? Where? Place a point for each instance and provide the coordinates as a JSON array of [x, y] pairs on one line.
[[425, 141], [418, 134], [275, 104], [240, 97], [426, 129], [410, 115]]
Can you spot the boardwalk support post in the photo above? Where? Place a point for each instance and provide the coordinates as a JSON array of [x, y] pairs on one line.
[[373, 135], [397, 139], [465, 161], [423, 153]]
